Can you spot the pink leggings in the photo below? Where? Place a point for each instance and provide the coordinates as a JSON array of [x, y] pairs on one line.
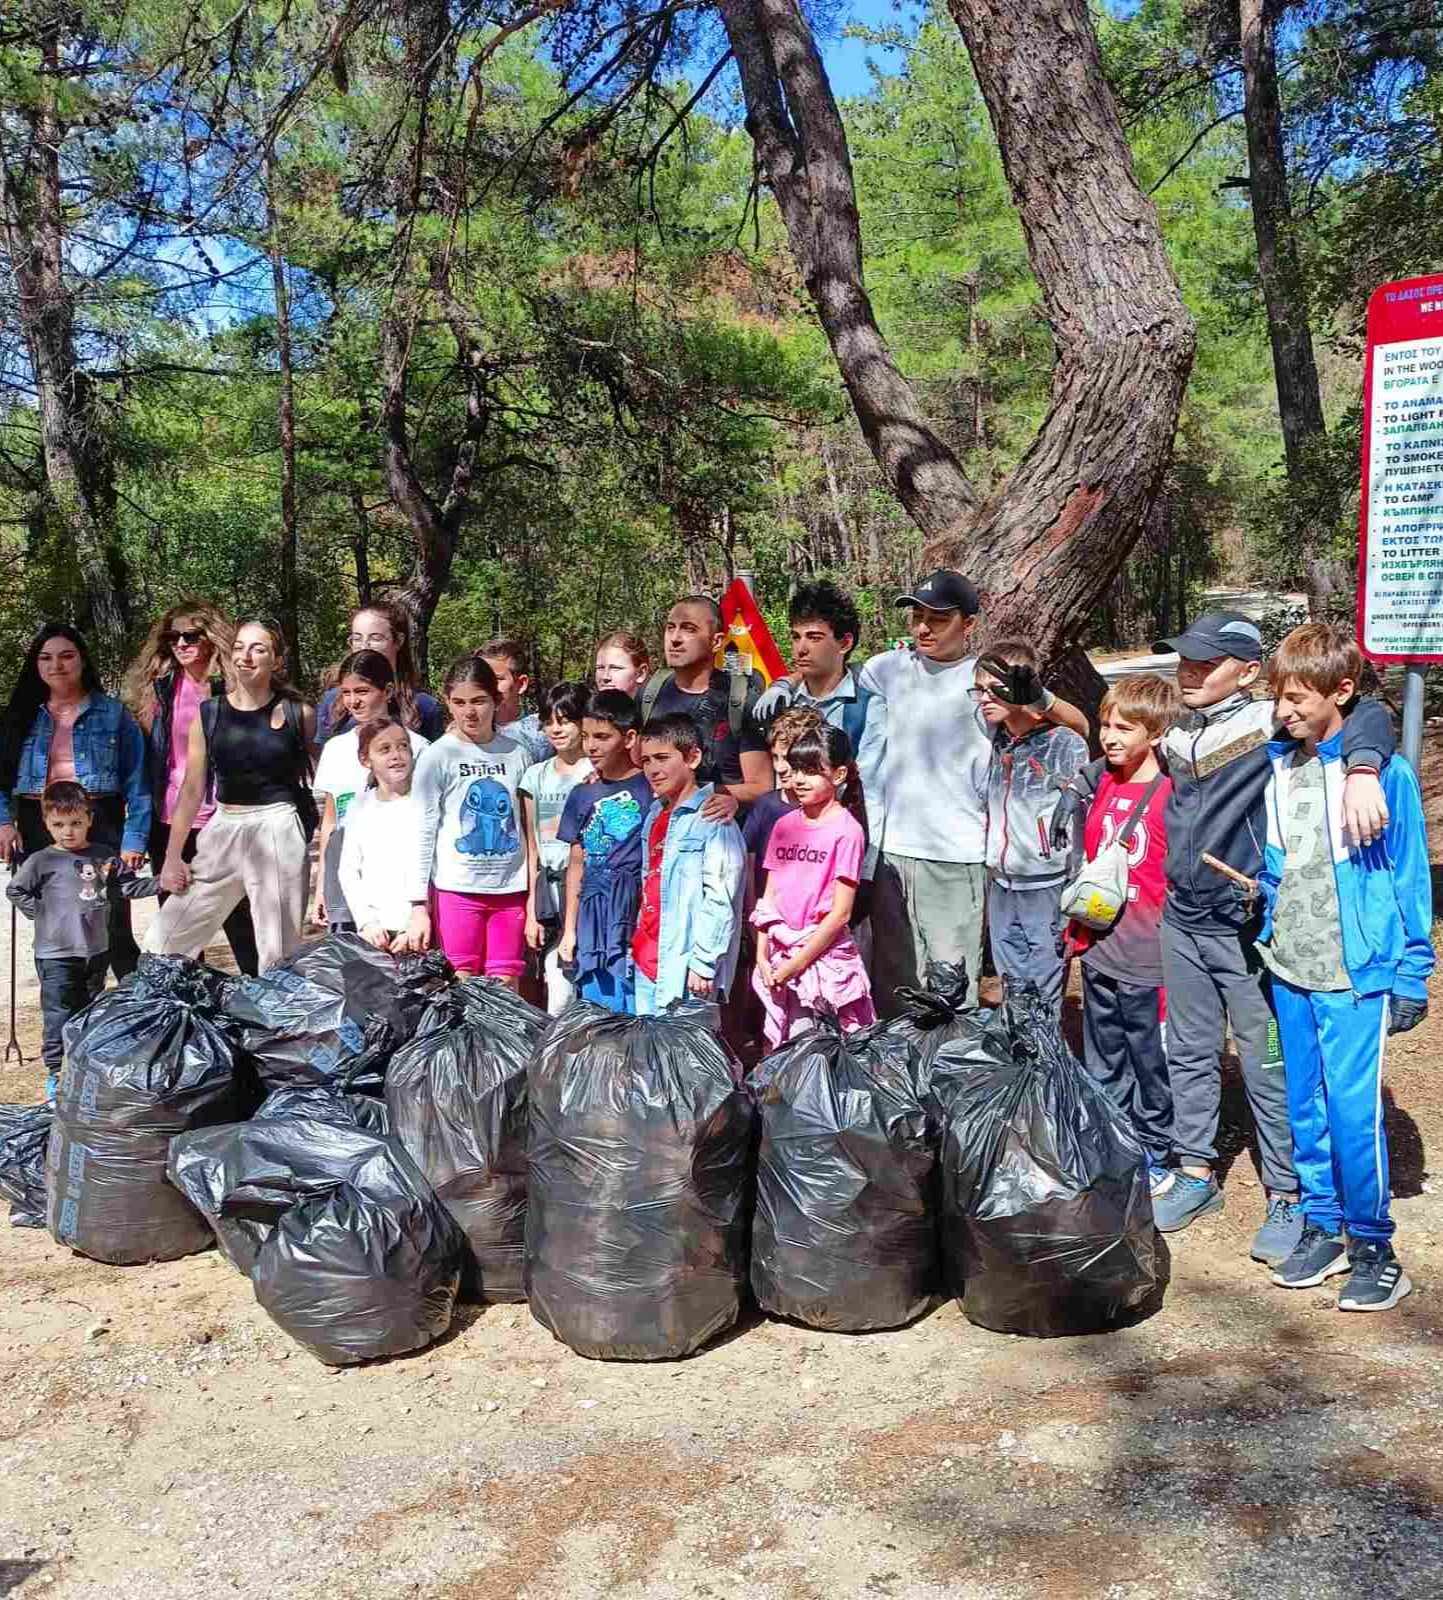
[[482, 934]]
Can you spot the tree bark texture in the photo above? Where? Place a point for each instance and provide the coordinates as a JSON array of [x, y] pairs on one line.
[[1300, 403], [79, 471], [1047, 544]]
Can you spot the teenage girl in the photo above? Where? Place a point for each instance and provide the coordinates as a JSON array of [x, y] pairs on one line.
[[469, 877], [622, 662], [382, 828], [367, 690], [807, 961]]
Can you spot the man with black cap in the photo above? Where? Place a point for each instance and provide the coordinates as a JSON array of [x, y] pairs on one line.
[[1217, 758], [923, 762]]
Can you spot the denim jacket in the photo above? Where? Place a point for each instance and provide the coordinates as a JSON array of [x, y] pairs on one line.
[[109, 760], [703, 864]]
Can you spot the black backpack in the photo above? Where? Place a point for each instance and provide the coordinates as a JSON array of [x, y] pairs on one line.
[[302, 796]]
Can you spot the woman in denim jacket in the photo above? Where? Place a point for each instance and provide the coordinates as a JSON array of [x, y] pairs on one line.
[[58, 726]]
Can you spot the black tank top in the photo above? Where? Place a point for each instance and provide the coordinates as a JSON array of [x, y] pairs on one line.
[[254, 763]]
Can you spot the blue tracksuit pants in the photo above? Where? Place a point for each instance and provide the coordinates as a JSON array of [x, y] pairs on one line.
[[1333, 1059]]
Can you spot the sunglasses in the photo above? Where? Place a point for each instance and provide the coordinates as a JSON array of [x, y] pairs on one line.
[[184, 636]]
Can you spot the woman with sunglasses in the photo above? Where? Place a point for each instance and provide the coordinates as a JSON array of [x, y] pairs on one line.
[[59, 726], [181, 665]]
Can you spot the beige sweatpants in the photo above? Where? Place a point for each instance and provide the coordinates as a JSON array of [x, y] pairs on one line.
[[257, 853]]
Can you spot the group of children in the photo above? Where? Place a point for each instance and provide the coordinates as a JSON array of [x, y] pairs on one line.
[[1255, 874]]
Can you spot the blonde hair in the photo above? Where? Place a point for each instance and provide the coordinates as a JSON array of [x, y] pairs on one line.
[[156, 658], [1318, 655], [791, 724], [1145, 698]]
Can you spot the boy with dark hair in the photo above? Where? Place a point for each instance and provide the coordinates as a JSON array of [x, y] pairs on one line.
[[66, 890], [1346, 936], [1033, 760], [602, 825], [507, 659], [721, 705], [825, 629], [689, 926], [1217, 758]]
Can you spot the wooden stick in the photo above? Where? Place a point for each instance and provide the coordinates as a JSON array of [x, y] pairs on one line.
[[1248, 885]]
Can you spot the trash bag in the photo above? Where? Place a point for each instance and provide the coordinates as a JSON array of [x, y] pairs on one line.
[[24, 1133], [1046, 1219], [333, 1012], [457, 1099], [143, 1063], [640, 1178], [934, 1015], [845, 1234], [329, 1104], [347, 1248]]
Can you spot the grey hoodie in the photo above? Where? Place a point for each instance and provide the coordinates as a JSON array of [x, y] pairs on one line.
[[1027, 775]]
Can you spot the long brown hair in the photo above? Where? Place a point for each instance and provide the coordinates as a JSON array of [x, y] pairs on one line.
[[280, 684], [372, 666], [398, 619], [823, 749], [156, 658]]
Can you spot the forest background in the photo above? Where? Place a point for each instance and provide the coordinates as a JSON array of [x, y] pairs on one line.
[[447, 301]]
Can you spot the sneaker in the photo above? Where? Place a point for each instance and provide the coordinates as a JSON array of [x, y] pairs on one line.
[[1377, 1281], [1184, 1200], [1281, 1232], [1318, 1255], [1159, 1179]]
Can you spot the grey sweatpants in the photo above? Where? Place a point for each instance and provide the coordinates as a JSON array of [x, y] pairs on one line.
[[924, 911], [1025, 929], [1213, 980]]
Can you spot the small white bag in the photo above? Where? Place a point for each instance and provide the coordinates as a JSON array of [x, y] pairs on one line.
[[1096, 895]]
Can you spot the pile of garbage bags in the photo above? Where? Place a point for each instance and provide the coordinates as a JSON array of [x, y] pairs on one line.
[[845, 1235], [24, 1134], [640, 1183], [143, 1063], [457, 1101]]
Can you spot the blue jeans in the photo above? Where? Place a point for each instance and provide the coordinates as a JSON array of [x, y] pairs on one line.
[[1333, 1059], [67, 984], [602, 989]]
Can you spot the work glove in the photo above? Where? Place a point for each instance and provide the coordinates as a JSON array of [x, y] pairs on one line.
[[1405, 1014], [1017, 686]]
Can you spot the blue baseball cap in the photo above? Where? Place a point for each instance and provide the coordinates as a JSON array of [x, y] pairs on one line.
[[1217, 633]]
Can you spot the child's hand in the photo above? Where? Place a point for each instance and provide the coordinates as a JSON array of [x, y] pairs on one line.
[[379, 938], [785, 971], [1365, 810], [134, 860], [418, 935], [535, 933], [566, 950], [175, 877], [318, 909], [702, 988]]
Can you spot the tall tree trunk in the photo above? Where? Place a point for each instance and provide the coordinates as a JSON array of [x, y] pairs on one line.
[[79, 470], [1300, 403], [290, 588], [1046, 545]]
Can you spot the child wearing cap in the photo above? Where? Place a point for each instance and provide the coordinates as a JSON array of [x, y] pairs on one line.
[[1346, 937], [1217, 757], [923, 760]]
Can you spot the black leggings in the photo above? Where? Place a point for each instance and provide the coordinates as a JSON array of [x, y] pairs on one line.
[[239, 930], [106, 829]]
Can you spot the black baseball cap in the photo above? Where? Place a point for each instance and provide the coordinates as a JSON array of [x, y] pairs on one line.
[[944, 590], [1217, 633]]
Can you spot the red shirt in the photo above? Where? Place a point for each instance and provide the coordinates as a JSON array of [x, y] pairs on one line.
[[1131, 949], [648, 920]]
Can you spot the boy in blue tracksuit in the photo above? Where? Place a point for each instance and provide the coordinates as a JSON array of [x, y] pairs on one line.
[[1346, 936]]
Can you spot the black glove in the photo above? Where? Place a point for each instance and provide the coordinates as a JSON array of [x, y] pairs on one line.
[[1404, 1014], [1067, 820], [1016, 686]]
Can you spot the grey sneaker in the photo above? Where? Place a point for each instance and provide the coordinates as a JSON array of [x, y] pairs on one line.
[[1377, 1281], [1185, 1200], [1319, 1255], [1281, 1231]]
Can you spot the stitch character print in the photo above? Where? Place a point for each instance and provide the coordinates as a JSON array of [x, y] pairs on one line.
[[490, 821]]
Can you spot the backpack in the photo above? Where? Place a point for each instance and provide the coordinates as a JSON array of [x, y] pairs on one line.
[[741, 687], [303, 797], [854, 712], [1096, 895]]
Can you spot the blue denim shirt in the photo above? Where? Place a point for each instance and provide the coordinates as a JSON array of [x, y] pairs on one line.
[[703, 864], [109, 759]]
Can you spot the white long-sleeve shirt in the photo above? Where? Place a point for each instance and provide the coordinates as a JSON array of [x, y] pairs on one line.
[[923, 759], [469, 840]]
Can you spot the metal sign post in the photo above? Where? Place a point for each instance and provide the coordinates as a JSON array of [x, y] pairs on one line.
[[1400, 522]]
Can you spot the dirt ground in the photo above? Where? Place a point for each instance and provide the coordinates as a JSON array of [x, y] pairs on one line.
[[160, 1438]]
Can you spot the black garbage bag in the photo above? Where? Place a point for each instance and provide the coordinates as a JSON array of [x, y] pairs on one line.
[[347, 1248], [845, 1234], [333, 1012], [640, 1178], [1046, 1219], [327, 1103], [935, 1015], [24, 1133], [457, 1099], [143, 1063]]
